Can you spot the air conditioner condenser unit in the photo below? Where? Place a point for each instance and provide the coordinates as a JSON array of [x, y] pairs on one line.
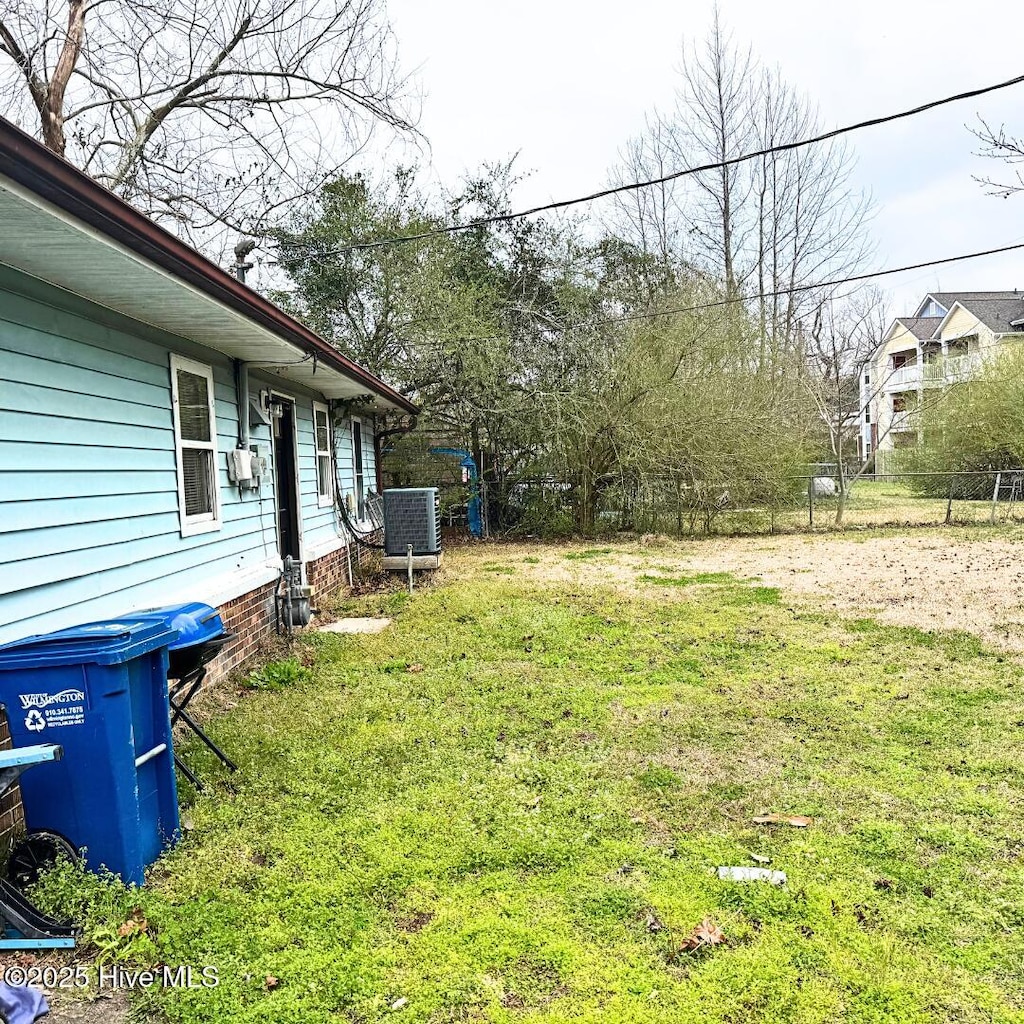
[[412, 515]]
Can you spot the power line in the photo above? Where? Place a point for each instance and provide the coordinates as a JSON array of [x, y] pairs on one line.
[[786, 147], [796, 289], [812, 287], [779, 293]]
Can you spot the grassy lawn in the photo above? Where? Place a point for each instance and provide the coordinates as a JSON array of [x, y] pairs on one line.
[[511, 805]]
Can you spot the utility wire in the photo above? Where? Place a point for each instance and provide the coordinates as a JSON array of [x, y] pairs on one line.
[[870, 275], [786, 147], [718, 303]]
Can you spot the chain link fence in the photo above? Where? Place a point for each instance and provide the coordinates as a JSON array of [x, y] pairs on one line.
[[803, 503], [813, 503], [548, 507]]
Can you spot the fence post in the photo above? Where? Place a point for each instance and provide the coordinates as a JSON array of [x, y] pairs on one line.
[[810, 502], [949, 504], [995, 498]]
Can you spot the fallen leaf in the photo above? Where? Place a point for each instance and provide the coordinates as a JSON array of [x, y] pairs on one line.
[[135, 925], [415, 668], [796, 820], [707, 933], [758, 859], [270, 982]]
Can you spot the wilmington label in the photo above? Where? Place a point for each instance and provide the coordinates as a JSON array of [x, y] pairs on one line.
[[53, 710]]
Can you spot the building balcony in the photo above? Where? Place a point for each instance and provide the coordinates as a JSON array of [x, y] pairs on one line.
[[934, 373], [903, 379], [903, 422], [951, 369]]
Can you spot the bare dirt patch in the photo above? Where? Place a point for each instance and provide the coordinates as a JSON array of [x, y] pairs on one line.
[[931, 579], [107, 1009]]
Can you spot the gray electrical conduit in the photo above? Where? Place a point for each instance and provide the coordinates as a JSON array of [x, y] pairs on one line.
[[339, 506]]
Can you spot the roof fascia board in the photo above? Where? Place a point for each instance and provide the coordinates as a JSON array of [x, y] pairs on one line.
[[924, 302], [952, 309], [27, 164]]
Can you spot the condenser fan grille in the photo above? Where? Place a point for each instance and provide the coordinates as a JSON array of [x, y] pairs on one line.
[[412, 515]]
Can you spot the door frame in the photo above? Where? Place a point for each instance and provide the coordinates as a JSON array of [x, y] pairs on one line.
[[361, 457], [296, 483]]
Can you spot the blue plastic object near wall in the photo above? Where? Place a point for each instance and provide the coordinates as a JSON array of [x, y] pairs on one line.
[[100, 690], [194, 622]]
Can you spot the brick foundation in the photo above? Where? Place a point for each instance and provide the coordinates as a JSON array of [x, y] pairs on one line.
[[328, 575], [12, 814], [252, 618]]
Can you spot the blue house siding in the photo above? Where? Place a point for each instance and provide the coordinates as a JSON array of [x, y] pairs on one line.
[[89, 523], [322, 528], [325, 523]]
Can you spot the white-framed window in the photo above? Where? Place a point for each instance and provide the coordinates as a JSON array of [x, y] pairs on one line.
[[358, 473], [324, 463], [195, 445]]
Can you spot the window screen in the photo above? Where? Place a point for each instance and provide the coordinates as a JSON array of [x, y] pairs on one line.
[[193, 406], [196, 465], [324, 471], [196, 448]]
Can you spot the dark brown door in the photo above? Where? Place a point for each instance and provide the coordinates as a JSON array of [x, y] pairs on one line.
[[285, 479]]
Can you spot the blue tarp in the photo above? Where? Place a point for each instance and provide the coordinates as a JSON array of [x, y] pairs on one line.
[[21, 1004]]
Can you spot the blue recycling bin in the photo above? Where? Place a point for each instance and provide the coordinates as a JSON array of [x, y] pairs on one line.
[[100, 691]]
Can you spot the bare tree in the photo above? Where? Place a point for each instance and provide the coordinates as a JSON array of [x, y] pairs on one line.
[[767, 227], [843, 337], [203, 113], [998, 145], [713, 122], [650, 217]]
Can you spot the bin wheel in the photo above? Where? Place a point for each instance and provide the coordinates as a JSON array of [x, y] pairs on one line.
[[35, 853]]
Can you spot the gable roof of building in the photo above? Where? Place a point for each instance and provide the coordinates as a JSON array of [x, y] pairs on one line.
[[58, 219], [922, 327], [998, 311]]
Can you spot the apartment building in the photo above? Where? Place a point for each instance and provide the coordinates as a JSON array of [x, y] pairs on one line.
[[944, 342]]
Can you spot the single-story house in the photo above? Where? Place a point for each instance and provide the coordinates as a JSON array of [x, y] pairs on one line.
[[166, 433]]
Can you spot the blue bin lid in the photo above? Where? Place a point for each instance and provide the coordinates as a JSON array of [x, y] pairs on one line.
[[94, 643], [195, 622]]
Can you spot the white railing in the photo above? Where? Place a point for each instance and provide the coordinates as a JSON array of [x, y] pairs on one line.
[[904, 377], [951, 369], [903, 421]]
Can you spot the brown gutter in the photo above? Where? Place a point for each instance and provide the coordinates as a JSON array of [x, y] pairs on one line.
[[34, 167]]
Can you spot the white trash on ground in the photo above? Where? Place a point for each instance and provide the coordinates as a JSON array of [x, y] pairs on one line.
[[355, 626], [747, 874]]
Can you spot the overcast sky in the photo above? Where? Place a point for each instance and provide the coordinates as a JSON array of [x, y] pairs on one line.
[[566, 82]]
